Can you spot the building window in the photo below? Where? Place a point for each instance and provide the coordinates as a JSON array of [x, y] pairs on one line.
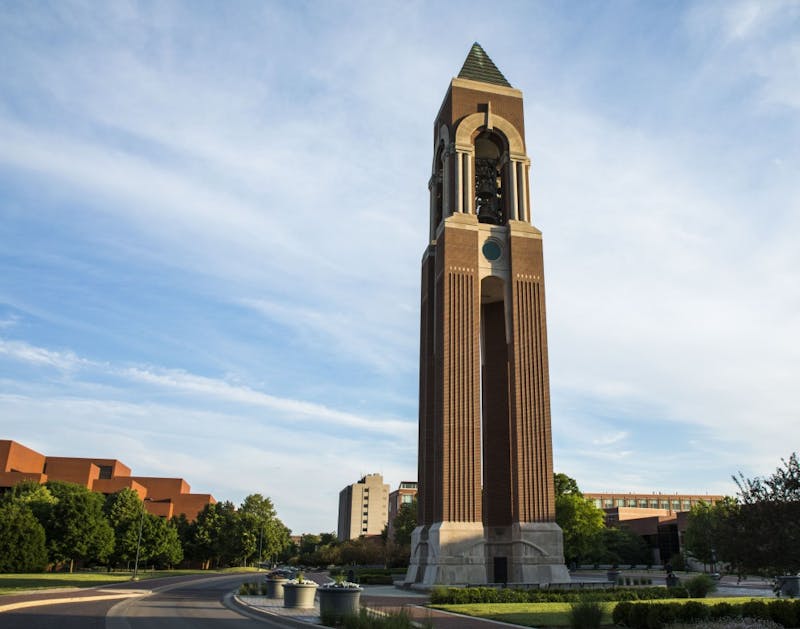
[[654, 504], [620, 502], [686, 505], [406, 499], [643, 503], [665, 504], [676, 504], [608, 503], [598, 503]]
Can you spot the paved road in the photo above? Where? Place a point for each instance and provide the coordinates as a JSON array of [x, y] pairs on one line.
[[182, 603]]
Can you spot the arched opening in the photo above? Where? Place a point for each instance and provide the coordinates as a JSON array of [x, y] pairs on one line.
[[437, 189], [489, 189]]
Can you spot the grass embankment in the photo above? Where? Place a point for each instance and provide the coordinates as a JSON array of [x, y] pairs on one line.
[[13, 583], [550, 614]]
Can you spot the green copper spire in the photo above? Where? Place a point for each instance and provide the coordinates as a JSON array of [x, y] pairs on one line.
[[478, 67]]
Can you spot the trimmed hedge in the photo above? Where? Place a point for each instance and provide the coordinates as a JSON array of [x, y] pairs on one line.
[[656, 615], [369, 576], [455, 596]]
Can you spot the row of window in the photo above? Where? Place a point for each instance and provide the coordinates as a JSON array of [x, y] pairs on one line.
[[642, 503]]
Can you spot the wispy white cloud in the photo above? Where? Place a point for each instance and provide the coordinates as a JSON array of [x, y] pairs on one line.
[[755, 39], [298, 409], [205, 387], [349, 333], [9, 321], [19, 350], [607, 440]]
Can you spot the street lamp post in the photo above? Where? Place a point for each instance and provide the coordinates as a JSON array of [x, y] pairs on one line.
[[139, 543]]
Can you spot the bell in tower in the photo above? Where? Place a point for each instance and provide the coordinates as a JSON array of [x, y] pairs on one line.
[[486, 497]]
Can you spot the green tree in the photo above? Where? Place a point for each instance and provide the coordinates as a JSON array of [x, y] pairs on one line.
[[564, 485], [216, 536], [364, 551], [31, 493], [621, 546], [22, 539], [309, 543], [124, 512], [317, 550], [161, 546], [328, 538], [760, 535], [206, 533], [405, 522], [185, 531], [265, 533], [75, 525], [581, 522], [705, 530], [699, 538]]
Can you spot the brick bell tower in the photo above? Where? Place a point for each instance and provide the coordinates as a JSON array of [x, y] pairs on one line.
[[486, 498]]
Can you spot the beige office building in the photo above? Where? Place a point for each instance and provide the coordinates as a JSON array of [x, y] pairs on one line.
[[363, 508]]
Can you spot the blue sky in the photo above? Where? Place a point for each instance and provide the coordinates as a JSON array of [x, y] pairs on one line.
[[212, 217]]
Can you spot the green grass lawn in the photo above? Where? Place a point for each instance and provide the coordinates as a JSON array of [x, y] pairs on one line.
[[549, 614], [11, 583], [527, 614]]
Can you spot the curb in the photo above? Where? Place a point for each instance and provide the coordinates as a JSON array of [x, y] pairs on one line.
[[232, 601]]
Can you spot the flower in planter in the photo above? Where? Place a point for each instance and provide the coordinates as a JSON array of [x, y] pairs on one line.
[[300, 580], [340, 584]]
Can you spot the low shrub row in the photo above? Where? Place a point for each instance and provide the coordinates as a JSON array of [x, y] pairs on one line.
[[455, 596], [368, 576], [655, 615]]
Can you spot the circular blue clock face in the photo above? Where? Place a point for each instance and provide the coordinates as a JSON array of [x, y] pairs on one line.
[[491, 250]]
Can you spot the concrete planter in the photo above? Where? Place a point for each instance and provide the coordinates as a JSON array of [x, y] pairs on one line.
[[335, 603], [275, 588], [299, 595]]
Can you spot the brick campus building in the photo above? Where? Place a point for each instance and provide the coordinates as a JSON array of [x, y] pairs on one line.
[[164, 497], [659, 518], [486, 496]]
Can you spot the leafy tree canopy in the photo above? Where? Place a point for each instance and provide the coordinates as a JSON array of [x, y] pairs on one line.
[[75, 525], [761, 536], [581, 522], [22, 539], [565, 485]]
